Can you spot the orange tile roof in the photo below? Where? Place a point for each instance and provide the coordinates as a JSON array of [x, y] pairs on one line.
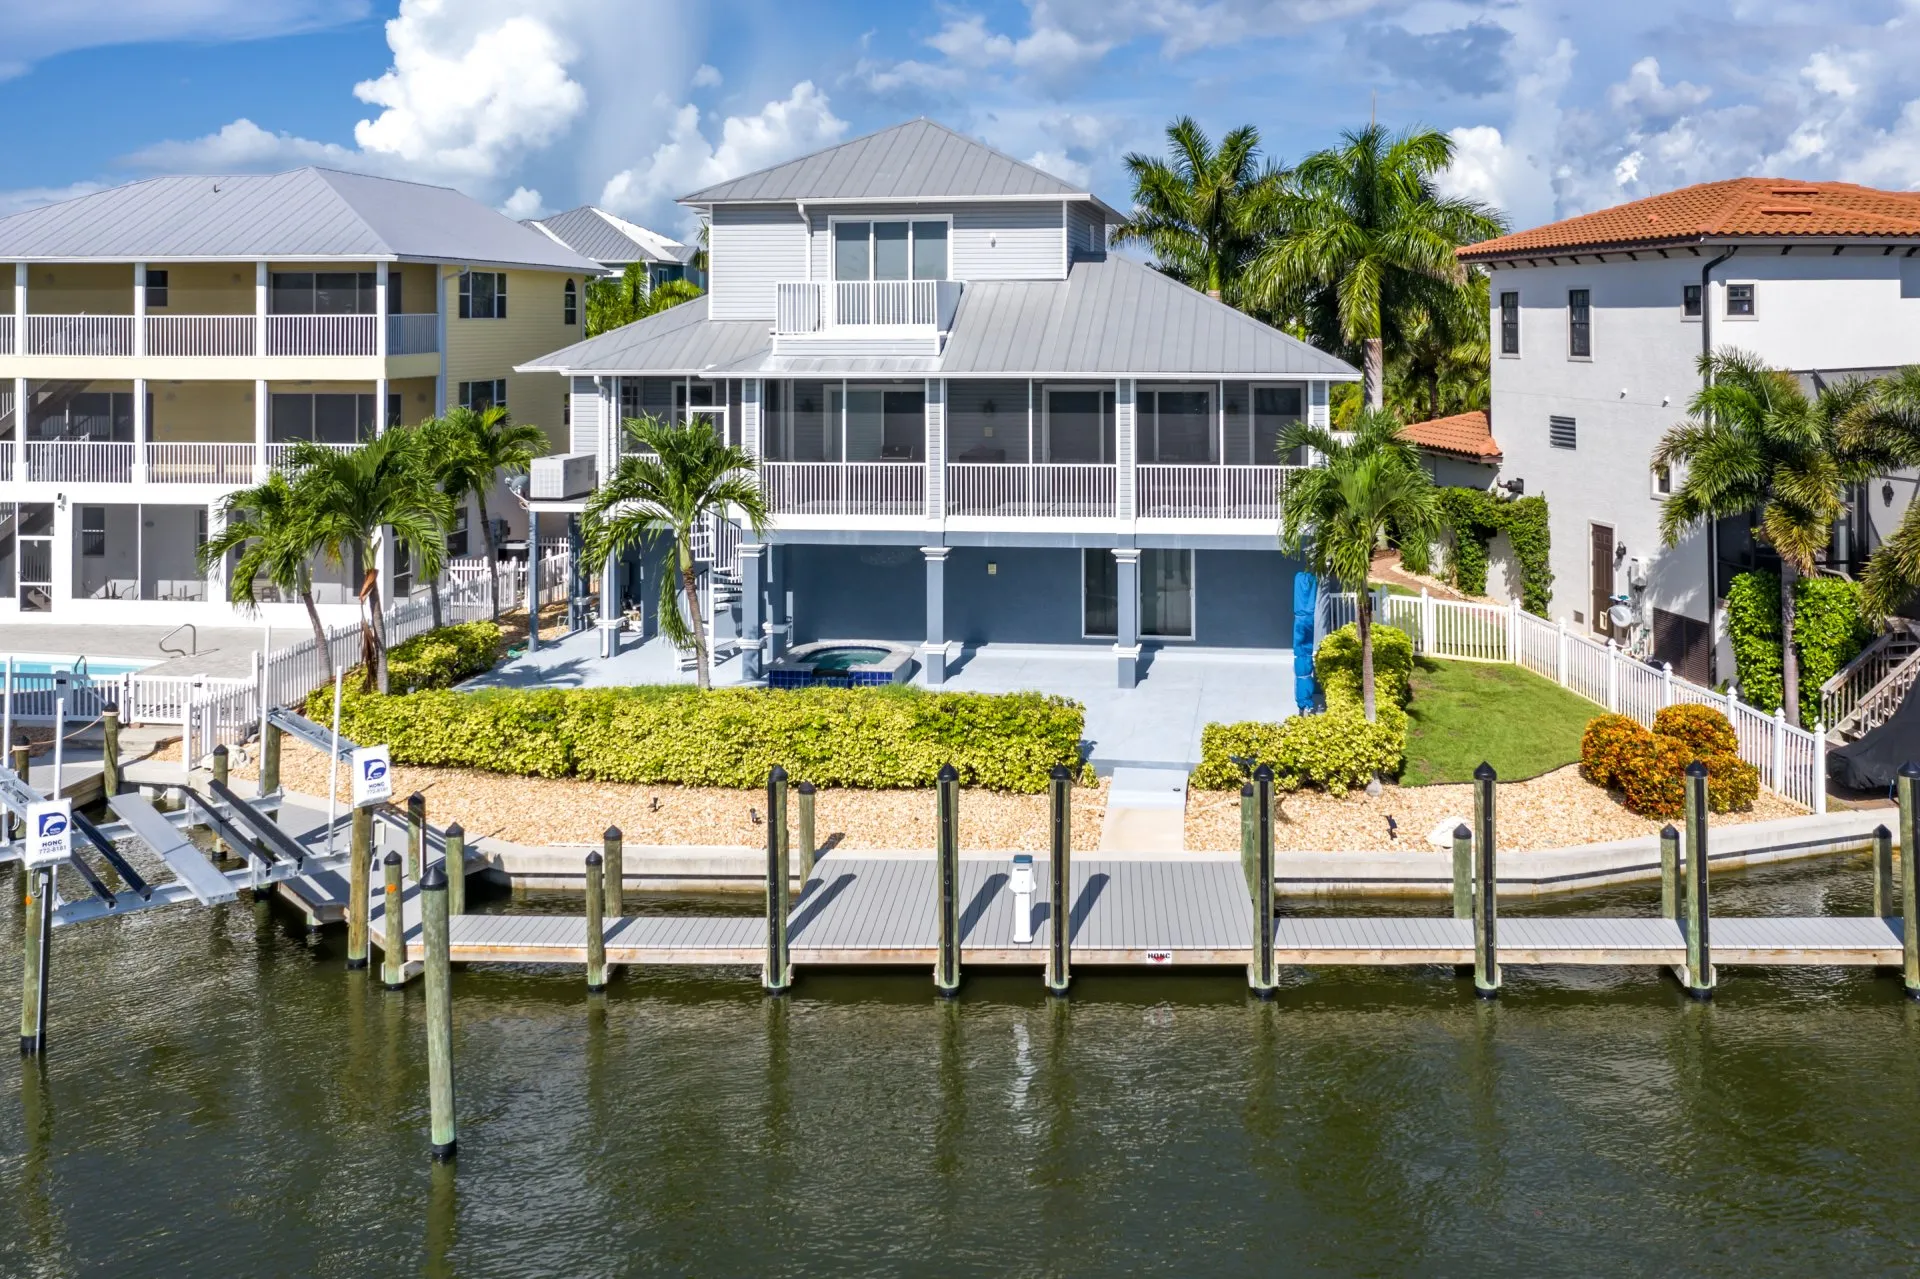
[[1738, 208], [1467, 435]]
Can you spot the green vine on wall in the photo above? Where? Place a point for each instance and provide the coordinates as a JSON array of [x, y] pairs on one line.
[[1829, 631], [1475, 517]]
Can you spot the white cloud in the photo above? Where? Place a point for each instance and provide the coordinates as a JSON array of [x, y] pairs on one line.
[[803, 121], [30, 30], [1060, 165], [1891, 156], [1643, 93], [706, 76], [524, 203], [24, 198], [241, 146], [1830, 71]]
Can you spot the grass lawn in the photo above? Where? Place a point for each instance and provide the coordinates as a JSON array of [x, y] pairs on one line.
[[1465, 712]]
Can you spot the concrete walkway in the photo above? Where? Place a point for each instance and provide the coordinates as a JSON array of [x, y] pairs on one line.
[[573, 661], [226, 652]]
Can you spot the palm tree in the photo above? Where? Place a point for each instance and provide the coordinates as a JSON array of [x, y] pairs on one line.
[[1202, 211], [1884, 434], [1362, 222], [272, 529], [356, 499], [616, 300], [472, 448], [1440, 365], [1339, 513], [684, 476], [1755, 443]]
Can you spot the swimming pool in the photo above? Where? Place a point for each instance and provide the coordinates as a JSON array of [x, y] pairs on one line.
[[55, 664]]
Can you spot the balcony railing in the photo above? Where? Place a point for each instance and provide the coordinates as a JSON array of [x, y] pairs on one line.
[[845, 488], [200, 463], [213, 335], [280, 456], [809, 306], [323, 334], [6, 335], [224, 335], [80, 335], [1198, 491], [413, 333], [1044, 489], [80, 461]]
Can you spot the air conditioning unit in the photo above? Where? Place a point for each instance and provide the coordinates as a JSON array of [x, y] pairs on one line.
[[560, 477]]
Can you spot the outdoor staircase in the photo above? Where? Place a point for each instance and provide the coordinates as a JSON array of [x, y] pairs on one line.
[[723, 598], [1869, 689]]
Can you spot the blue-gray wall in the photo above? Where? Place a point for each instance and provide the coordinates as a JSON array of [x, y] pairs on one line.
[[1244, 599], [857, 592], [1033, 596]]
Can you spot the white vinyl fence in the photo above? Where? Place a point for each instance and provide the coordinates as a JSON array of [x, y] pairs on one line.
[[1792, 761]]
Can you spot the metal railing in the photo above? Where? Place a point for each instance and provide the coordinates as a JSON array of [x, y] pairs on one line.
[[411, 333], [80, 461], [808, 306], [1841, 696], [323, 334], [1167, 490], [210, 335], [1032, 489], [280, 456], [200, 463], [7, 335], [844, 488], [79, 335]]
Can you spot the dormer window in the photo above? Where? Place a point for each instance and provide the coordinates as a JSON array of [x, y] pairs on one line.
[[902, 250]]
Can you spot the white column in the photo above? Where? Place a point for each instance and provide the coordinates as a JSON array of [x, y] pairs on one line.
[[380, 403], [1613, 677], [19, 308], [260, 307], [262, 419], [440, 340], [20, 406], [1779, 779], [63, 556], [217, 571], [380, 315], [1819, 768], [753, 418], [1125, 423], [141, 427], [139, 312], [936, 464]]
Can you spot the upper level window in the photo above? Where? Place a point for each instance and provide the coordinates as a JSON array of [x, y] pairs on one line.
[[1740, 300], [156, 288], [483, 295], [1509, 324], [1579, 324], [890, 250], [570, 304], [482, 396], [321, 292], [1690, 301]]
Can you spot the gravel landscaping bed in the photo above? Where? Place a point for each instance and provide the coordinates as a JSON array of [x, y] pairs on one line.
[[1554, 810]]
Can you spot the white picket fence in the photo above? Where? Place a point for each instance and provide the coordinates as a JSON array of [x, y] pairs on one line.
[[1792, 761]]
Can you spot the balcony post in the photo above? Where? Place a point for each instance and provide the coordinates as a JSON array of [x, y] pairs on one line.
[[936, 450], [262, 417], [22, 406], [440, 340], [142, 428], [260, 307], [753, 560], [139, 319], [380, 343], [933, 654], [778, 620], [1124, 421], [19, 312], [1126, 641]]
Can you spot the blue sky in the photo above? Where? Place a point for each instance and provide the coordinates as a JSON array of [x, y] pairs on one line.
[[538, 105]]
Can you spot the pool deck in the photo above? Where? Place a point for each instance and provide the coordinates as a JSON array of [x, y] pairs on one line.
[[225, 652]]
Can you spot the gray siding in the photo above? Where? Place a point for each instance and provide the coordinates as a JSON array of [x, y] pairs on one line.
[[750, 250], [1013, 241], [583, 423], [1086, 229]]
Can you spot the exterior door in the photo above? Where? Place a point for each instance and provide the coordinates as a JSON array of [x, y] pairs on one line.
[[1600, 573]]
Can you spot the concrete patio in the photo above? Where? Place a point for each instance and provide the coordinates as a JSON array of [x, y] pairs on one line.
[[573, 661]]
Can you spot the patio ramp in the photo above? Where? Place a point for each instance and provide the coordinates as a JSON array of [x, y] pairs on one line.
[[1146, 811]]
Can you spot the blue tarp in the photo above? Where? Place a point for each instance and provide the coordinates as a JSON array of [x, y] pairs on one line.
[[1306, 595]]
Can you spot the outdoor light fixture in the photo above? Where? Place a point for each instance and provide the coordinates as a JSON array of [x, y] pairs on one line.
[[1886, 494], [989, 408], [993, 569]]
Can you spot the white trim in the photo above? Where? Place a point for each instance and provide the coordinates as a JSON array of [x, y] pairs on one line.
[[1726, 301], [1066, 238]]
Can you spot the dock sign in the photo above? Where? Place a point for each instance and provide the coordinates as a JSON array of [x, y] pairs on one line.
[[49, 832], [372, 776]]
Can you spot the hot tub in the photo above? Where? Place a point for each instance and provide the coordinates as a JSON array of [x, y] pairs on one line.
[[842, 664]]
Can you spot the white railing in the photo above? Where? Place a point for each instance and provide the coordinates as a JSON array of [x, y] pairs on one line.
[[80, 461], [6, 335], [323, 335], [1792, 761], [212, 335], [200, 463], [717, 542], [413, 333], [1038, 489], [1198, 491], [809, 306], [844, 488], [799, 307], [1841, 696], [280, 456], [80, 335]]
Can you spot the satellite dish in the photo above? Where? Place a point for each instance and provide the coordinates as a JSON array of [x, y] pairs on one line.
[[1620, 615]]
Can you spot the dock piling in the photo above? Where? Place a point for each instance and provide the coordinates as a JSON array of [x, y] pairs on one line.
[[1260, 971], [596, 926], [1462, 872], [416, 834], [22, 763], [1247, 835], [776, 973], [1486, 894], [1669, 873], [359, 887], [110, 749], [1908, 779], [393, 958], [270, 759], [1699, 950], [946, 964], [434, 940], [36, 957], [455, 862], [1885, 904], [613, 870], [1060, 871], [808, 849], [222, 768]]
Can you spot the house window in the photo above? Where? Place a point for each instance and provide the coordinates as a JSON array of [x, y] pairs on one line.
[[1560, 432], [156, 288], [402, 570], [320, 293], [1579, 324], [93, 532], [570, 305], [484, 395], [1166, 594], [1509, 324], [1175, 426], [324, 418], [483, 295], [1690, 301], [1078, 426], [1740, 301], [1099, 594], [890, 250], [457, 535], [1662, 477]]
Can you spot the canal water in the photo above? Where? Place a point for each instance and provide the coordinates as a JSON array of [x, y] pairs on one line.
[[220, 1098]]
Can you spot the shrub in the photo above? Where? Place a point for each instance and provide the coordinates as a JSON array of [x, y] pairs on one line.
[[442, 658], [1603, 745], [1704, 729], [1650, 774], [1337, 664], [1337, 751], [1732, 783], [1829, 630], [858, 738]]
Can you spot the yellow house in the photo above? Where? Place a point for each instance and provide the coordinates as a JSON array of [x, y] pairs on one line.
[[169, 340]]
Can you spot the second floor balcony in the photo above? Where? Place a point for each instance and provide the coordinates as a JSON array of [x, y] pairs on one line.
[[217, 336], [915, 312]]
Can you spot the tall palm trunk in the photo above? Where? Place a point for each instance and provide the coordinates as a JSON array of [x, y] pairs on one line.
[[369, 641], [493, 558], [1374, 371], [433, 603], [1789, 659], [319, 631], [1363, 623], [683, 544]]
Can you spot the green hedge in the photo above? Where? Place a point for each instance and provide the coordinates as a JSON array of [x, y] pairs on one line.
[[442, 658], [1336, 663], [1829, 630], [875, 739]]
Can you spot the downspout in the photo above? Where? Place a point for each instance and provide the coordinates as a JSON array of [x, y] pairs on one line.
[[1713, 526]]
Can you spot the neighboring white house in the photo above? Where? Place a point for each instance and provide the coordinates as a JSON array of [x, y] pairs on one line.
[[1598, 324], [616, 243]]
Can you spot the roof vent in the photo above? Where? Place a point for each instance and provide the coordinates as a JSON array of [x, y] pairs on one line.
[[1794, 191], [1790, 210]]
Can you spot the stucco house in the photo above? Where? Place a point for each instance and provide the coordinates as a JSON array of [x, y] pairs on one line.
[[975, 426]]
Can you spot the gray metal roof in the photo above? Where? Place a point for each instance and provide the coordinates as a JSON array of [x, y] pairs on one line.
[[918, 160], [1109, 318], [303, 213], [593, 233]]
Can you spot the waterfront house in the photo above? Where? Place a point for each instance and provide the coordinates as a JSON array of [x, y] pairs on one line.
[[170, 339], [975, 425], [616, 244], [1598, 323]]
